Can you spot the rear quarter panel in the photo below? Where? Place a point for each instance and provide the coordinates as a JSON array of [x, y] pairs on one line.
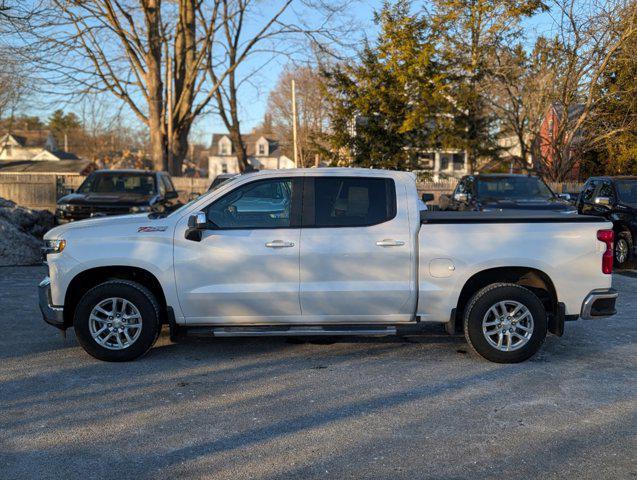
[[569, 253]]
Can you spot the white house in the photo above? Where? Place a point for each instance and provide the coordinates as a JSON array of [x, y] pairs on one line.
[[31, 145], [444, 164], [263, 152]]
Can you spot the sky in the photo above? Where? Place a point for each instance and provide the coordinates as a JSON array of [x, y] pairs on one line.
[[264, 69]]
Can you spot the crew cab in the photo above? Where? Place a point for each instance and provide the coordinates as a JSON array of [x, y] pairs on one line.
[[118, 192], [614, 198], [503, 192], [339, 252]]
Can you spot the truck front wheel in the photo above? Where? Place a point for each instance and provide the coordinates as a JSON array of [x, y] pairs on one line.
[[117, 321], [505, 323]]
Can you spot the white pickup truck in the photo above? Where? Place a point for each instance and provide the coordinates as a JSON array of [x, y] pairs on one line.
[[333, 251]]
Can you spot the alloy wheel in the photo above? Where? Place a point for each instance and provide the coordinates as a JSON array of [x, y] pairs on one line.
[[507, 325], [115, 323]]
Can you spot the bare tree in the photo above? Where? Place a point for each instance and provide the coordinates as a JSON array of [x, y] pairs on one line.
[[279, 38], [521, 87], [311, 108], [156, 57], [589, 35], [15, 19]]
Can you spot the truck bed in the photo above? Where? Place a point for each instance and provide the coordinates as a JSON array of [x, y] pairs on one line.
[[454, 246]]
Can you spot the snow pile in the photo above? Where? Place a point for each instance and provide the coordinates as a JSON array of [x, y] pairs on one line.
[[21, 231]]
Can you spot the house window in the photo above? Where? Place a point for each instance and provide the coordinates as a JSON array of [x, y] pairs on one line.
[[224, 168], [458, 161], [224, 148], [9, 150], [426, 160], [261, 149], [444, 161]]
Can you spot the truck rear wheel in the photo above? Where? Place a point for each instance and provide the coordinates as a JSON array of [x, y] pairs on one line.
[[117, 321], [505, 323]]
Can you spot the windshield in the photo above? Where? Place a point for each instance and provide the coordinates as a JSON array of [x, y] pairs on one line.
[[627, 191], [131, 183], [513, 188]]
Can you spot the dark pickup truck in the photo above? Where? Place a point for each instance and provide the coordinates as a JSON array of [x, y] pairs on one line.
[[503, 192], [118, 192], [615, 199]]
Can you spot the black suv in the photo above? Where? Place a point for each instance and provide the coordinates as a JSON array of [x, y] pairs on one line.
[[499, 192], [614, 198], [118, 192]]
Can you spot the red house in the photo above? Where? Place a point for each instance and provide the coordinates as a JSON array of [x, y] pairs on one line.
[[555, 137]]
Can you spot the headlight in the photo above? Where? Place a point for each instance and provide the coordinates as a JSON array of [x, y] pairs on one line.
[[65, 207], [142, 208], [54, 246]]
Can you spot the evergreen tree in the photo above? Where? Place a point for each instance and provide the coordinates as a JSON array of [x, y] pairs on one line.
[[386, 108]]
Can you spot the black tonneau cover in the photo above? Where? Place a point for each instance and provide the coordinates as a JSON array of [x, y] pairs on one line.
[[506, 217]]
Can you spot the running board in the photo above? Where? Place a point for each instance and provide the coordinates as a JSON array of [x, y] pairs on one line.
[[301, 331]]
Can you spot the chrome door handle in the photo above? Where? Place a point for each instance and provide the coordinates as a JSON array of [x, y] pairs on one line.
[[388, 242], [279, 244]]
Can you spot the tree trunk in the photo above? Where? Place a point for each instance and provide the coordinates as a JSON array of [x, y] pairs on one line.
[[184, 83], [155, 86], [179, 149], [239, 147]]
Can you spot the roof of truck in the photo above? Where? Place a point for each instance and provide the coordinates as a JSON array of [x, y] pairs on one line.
[[334, 171]]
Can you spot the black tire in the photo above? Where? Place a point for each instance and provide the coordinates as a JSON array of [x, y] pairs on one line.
[[480, 304], [627, 240], [133, 292]]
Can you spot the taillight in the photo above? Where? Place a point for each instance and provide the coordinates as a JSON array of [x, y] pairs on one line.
[[607, 236]]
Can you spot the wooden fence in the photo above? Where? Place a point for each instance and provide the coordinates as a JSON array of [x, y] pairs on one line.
[[40, 191]]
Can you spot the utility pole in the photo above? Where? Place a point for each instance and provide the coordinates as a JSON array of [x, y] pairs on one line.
[[296, 158], [169, 110]]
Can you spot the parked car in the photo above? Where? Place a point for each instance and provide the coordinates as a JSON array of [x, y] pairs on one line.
[[118, 192], [501, 192], [614, 198], [352, 254]]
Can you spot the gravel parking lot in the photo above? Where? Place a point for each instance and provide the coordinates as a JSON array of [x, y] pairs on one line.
[[417, 407]]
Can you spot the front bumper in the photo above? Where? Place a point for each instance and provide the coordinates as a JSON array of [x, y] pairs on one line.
[[599, 304], [51, 314]]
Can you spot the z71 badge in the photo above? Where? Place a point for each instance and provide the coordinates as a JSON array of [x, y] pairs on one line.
[[151, 229]]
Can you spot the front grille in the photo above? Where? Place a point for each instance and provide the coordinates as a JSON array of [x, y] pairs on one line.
[[88, 210]]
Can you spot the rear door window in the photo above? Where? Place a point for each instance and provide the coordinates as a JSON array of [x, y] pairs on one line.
[[350, 202]]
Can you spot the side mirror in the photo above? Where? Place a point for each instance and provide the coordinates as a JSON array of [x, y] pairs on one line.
[[196, 224], [198, 220], [565, 196], [171, 195], [427, 197], [602, 201], [461, 197]]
